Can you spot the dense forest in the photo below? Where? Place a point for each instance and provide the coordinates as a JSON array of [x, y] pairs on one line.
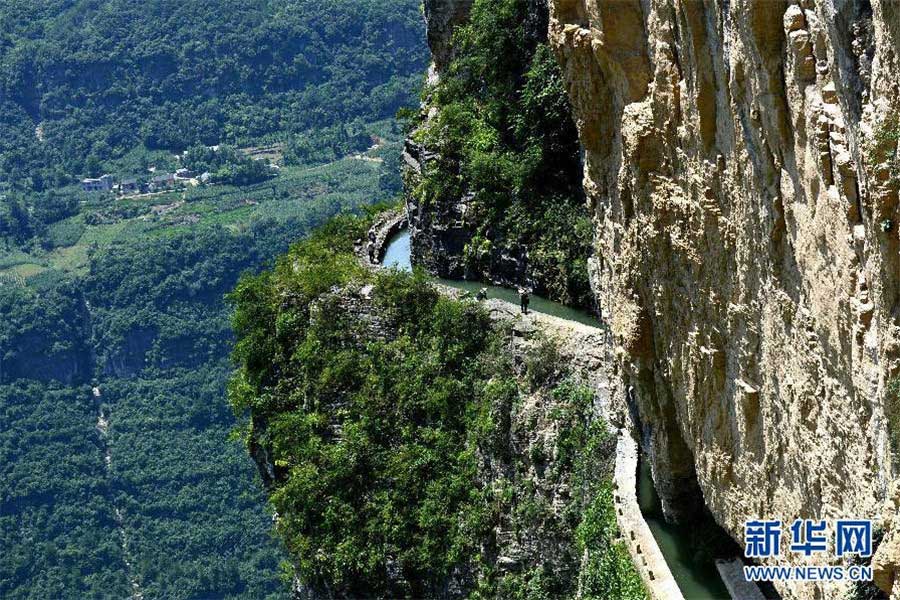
[[393, 423], [118, 470], [83, 82], [149, 328], [505, 137]]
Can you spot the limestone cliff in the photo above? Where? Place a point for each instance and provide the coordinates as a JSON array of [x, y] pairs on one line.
[[740, 166]]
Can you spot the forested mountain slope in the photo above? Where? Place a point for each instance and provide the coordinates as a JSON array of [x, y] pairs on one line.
[[84, 81], [117, 473]]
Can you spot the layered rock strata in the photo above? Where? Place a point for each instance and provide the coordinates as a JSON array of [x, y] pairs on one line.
[[741, 170]]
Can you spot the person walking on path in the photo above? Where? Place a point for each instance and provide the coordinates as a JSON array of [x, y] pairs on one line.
[[523, 300]]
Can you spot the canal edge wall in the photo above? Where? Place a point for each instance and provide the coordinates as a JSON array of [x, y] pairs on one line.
[[732, 574], [371, 250], [645, 553]]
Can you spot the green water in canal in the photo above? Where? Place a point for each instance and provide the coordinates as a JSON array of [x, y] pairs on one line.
[[697, 577], [694, 571], [397, 255]]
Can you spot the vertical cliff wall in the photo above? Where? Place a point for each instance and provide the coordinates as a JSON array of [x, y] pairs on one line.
[[741, 173]]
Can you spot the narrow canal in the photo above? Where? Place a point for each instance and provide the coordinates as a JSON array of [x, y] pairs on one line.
[[689, 551], [397, 255], [689, 556]]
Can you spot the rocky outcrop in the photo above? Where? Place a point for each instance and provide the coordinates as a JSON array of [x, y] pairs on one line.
[[439, 231], [440, 228], [442, 17], [449, 238], [537, 449], [741, 171]]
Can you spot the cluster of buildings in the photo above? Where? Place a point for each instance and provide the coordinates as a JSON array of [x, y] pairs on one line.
[[159, 182]]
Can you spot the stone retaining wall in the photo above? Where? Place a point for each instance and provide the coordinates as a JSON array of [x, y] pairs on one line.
[[642, 546], [371, 250], [732, 573]]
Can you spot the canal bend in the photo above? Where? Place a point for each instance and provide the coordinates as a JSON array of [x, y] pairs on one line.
[[691, 564]]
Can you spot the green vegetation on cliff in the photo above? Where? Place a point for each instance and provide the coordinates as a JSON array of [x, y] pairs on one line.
[[398, 432], [505, 134]]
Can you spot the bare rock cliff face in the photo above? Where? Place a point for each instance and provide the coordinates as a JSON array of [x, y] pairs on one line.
[[441, 17], [741, 168]]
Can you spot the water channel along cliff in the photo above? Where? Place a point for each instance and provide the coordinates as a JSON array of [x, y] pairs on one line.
[[740, 170]]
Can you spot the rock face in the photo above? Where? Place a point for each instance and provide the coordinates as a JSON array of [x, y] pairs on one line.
[[441, 17], [741, 171], [886, 563], [439, 233]]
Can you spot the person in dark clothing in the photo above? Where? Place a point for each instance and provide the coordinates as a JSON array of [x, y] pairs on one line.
[[523, 300], [482, 294]]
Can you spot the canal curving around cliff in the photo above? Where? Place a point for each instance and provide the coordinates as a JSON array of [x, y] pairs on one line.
[[668, 554]]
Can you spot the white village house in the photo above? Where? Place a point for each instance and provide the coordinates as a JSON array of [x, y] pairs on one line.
[[101, 184]]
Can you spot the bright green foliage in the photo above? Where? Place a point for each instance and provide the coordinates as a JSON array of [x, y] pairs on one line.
[[397, 483], [378, 421], [56, 523], [505, 133], [327, 144]]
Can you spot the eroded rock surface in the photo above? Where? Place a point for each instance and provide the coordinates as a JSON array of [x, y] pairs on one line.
[[741, 170], [442, 16]]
